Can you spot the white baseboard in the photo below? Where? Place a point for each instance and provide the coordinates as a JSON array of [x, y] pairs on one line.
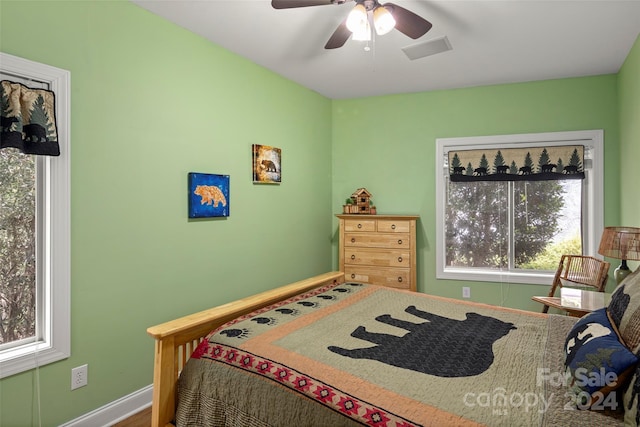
[[115, 411]]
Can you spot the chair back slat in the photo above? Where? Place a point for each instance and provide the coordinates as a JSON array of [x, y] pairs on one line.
[[583, 270], [580, 271]]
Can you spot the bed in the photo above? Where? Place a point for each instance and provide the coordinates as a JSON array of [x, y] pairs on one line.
[[324, 352]]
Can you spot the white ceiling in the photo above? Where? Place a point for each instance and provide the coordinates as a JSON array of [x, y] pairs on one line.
[[493, 42]]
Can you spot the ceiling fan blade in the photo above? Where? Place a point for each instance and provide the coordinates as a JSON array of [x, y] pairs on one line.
[[408, 22], [289, 4], [339, 36]]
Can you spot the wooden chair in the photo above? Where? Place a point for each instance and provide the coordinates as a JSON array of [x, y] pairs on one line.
[[579, 271]]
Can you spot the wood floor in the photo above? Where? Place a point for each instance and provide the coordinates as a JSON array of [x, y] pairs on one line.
[[141, 419]]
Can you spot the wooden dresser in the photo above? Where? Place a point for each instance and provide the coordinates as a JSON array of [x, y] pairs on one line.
[[379, 249]]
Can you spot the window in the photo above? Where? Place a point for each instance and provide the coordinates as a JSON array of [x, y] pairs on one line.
[[510, 231], [45, 277]]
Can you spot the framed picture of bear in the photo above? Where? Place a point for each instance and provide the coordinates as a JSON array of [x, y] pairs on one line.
[[208, 195], [267, 164]]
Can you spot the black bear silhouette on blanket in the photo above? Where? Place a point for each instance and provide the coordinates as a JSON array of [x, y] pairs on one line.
[[441, 346]]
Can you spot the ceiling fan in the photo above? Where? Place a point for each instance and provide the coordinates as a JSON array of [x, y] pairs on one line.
[[366, 13]]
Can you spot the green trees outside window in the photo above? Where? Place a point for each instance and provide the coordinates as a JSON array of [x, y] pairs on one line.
[[17, 246]]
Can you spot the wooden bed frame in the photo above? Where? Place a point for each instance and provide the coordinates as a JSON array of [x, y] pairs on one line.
[[176, 339]]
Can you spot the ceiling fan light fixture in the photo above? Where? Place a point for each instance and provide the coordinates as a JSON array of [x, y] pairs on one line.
[[383, 20], [362, 34], [357, 19]]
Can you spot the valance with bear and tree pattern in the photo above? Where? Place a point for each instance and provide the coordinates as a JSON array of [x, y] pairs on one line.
[[517, 164], [28, 120]]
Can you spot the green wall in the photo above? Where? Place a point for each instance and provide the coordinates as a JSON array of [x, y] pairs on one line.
[[150, 103], [629, 94], [387, 144]]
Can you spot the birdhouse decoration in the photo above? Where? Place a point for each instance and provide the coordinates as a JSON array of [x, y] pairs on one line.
[[359, 203]]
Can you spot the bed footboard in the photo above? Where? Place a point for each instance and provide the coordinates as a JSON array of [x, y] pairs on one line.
[[176, 339]]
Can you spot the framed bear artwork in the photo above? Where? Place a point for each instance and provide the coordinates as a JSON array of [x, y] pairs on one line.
[[267, 164], [208, 195]]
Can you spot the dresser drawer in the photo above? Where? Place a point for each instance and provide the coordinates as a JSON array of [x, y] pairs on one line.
[[360, 225], [377, 240], [392, 277], [385, 258], [393, 226]]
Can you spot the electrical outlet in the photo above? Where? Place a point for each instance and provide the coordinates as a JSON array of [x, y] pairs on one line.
[[79, 376], [466, 292]]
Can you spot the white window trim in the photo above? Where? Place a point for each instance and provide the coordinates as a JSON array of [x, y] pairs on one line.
[[595, 198], [56, 341]]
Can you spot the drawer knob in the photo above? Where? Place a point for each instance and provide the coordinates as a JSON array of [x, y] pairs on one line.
[[399, 241], [393, 226], [359, 225], [399, 259], [353, 240], [353, 257], [353, 276], [400, 279]]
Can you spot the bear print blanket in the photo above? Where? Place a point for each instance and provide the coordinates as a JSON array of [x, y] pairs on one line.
[[355, 354]]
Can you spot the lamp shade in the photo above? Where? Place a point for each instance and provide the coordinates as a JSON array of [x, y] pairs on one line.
[[383, 20], [620, 243], [357, 19], [362, 34]]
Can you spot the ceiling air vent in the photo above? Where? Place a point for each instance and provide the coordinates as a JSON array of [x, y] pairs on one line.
[[431, 47]]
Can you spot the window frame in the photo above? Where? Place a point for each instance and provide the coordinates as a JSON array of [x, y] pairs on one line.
[[54, 286], [592, 202]]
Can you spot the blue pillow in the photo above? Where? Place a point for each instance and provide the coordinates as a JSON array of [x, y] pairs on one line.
[[595, 358]]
